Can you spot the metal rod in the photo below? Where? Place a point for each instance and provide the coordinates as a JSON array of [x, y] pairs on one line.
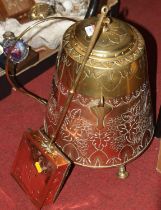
[[72, 91]]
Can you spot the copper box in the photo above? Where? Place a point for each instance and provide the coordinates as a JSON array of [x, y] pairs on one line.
[[18, 8], [40, 170]]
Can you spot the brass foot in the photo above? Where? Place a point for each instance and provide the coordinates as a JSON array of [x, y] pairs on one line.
[[122, 173]]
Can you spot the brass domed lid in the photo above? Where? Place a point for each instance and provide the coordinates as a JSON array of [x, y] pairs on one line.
[[117, 38]]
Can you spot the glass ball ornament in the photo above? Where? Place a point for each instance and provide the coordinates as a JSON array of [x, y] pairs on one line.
[[18, 50]]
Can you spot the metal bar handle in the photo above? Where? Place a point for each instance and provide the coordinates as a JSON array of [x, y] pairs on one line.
[[7, 66]]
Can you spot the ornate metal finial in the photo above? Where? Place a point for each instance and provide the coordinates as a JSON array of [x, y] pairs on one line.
[[8, 35]]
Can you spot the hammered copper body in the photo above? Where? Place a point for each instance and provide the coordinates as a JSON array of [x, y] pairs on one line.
[[109, 121]]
